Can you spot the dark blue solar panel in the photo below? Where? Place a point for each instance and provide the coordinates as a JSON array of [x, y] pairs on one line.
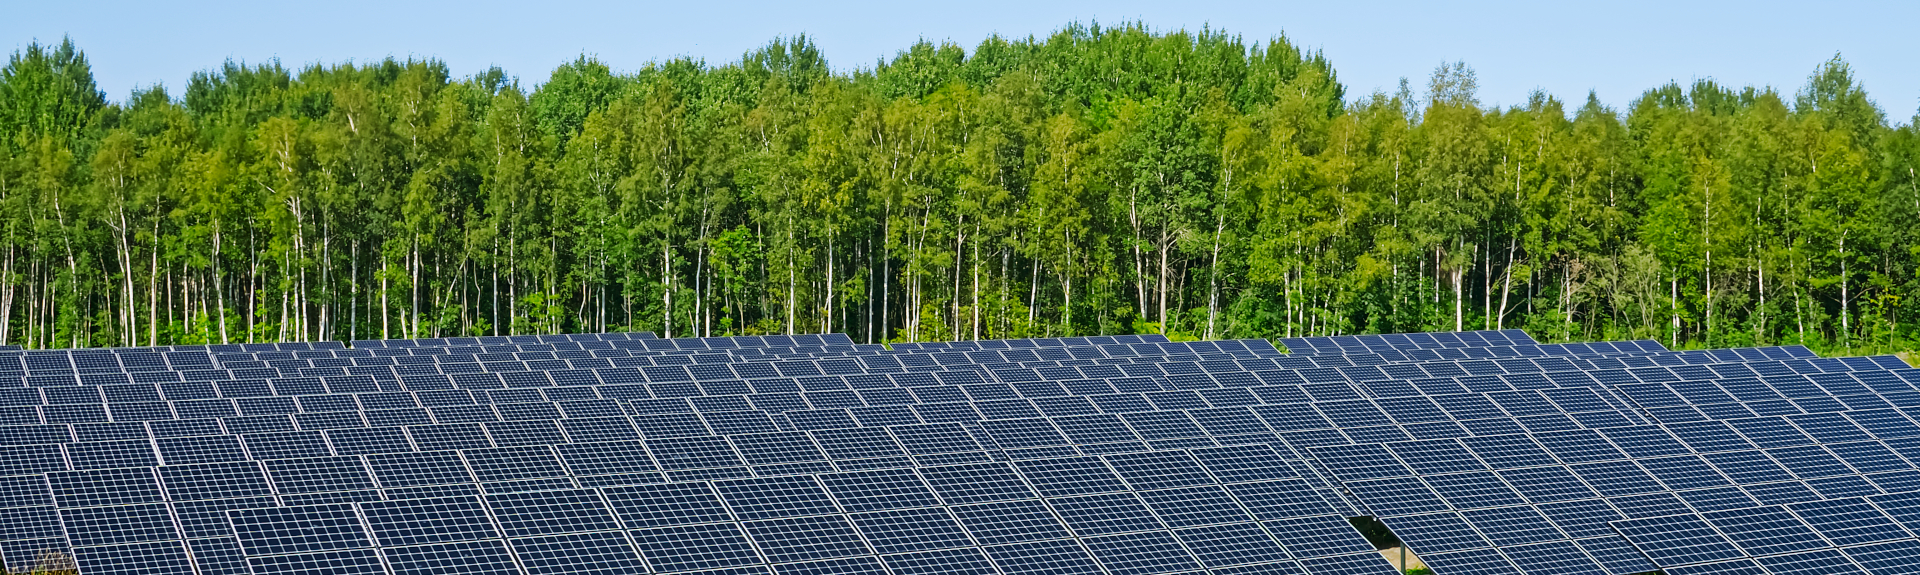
[[1848, 521], [495, 400], [1677, 540]]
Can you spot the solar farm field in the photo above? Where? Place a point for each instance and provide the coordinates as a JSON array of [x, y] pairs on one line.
[[1485, 453]]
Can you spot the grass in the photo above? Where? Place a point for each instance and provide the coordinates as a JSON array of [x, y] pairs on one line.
[[50, 562]]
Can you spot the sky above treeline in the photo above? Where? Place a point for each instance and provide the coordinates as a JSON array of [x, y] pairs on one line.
[[1615, 49]]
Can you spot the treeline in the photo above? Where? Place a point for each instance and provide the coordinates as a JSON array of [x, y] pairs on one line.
[[1099, 180]]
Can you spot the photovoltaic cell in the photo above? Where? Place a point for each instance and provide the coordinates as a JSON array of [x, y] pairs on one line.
[[1102, 514], [1319, 536], [432, 520], [665, 505], [806, 538], [907, 530], [695, 547], [878, 489], [1765, 530], [1010, 522], [1677, 540], [578, 553], [302, 529], [774, 497], [1140, 553], [460, 557]]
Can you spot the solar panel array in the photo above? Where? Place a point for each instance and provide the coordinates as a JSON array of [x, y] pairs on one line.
[[1485, 452]]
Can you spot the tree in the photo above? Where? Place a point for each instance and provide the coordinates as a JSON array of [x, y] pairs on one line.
[[1099, 180]]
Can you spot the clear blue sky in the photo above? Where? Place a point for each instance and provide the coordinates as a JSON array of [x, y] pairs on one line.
[[1618, 49]]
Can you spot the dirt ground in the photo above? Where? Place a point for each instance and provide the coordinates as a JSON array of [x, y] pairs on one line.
[[1393, 556]]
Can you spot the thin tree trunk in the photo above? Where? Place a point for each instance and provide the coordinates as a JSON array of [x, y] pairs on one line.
[[1166, 245], [1706, 233], [1846, 311], [666, 290], [153, 290], [219, 286], [1500, 319], [1066, 289], [1213, 275], [886, 274], [975, 290]]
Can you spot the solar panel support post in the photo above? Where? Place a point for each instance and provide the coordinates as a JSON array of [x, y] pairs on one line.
[[1403, 557]]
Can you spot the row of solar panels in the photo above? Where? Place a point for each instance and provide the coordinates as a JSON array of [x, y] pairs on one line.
[[1348, 533], [539, 360], [1148, 344], [1582, 450], [1800, 476], [1303, 346], [143, 359], [1213, 501], [520, 376], [421, 420], [1649, 386], [316, 410], [1405, 341], [288, 406], [696, 454], [909, 362], [647, 341], [139, 556], [184, 361], [1380, 403], [1829, 536], [1285, 407], [1475, 560], [946, 401]]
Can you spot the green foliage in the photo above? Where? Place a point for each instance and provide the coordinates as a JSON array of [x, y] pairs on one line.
[[1099, 180], [48, 92]]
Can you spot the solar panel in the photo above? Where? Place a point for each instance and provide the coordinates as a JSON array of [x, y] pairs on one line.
[[431, 520], [143, 558], [1231, 544], [1317, 536], [299, 529], [878, 490], [1369, 563], [1677, 540], [774, 497], [954, 561], [1765, 530], [458, 557], [1482, 429], [806, 538], [1848, 521], [603, 552], [551, 512], [1140, 553]]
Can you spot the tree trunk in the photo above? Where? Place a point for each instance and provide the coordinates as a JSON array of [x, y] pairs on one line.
[[1846, 311], [1674, 302], [886, 274], [666, 290], [1213, 274], [1066, 289], [1166, 245], [1706, 233], [1506, 287]]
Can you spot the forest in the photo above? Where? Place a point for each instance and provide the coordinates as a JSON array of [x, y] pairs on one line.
[[1098, 180]]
